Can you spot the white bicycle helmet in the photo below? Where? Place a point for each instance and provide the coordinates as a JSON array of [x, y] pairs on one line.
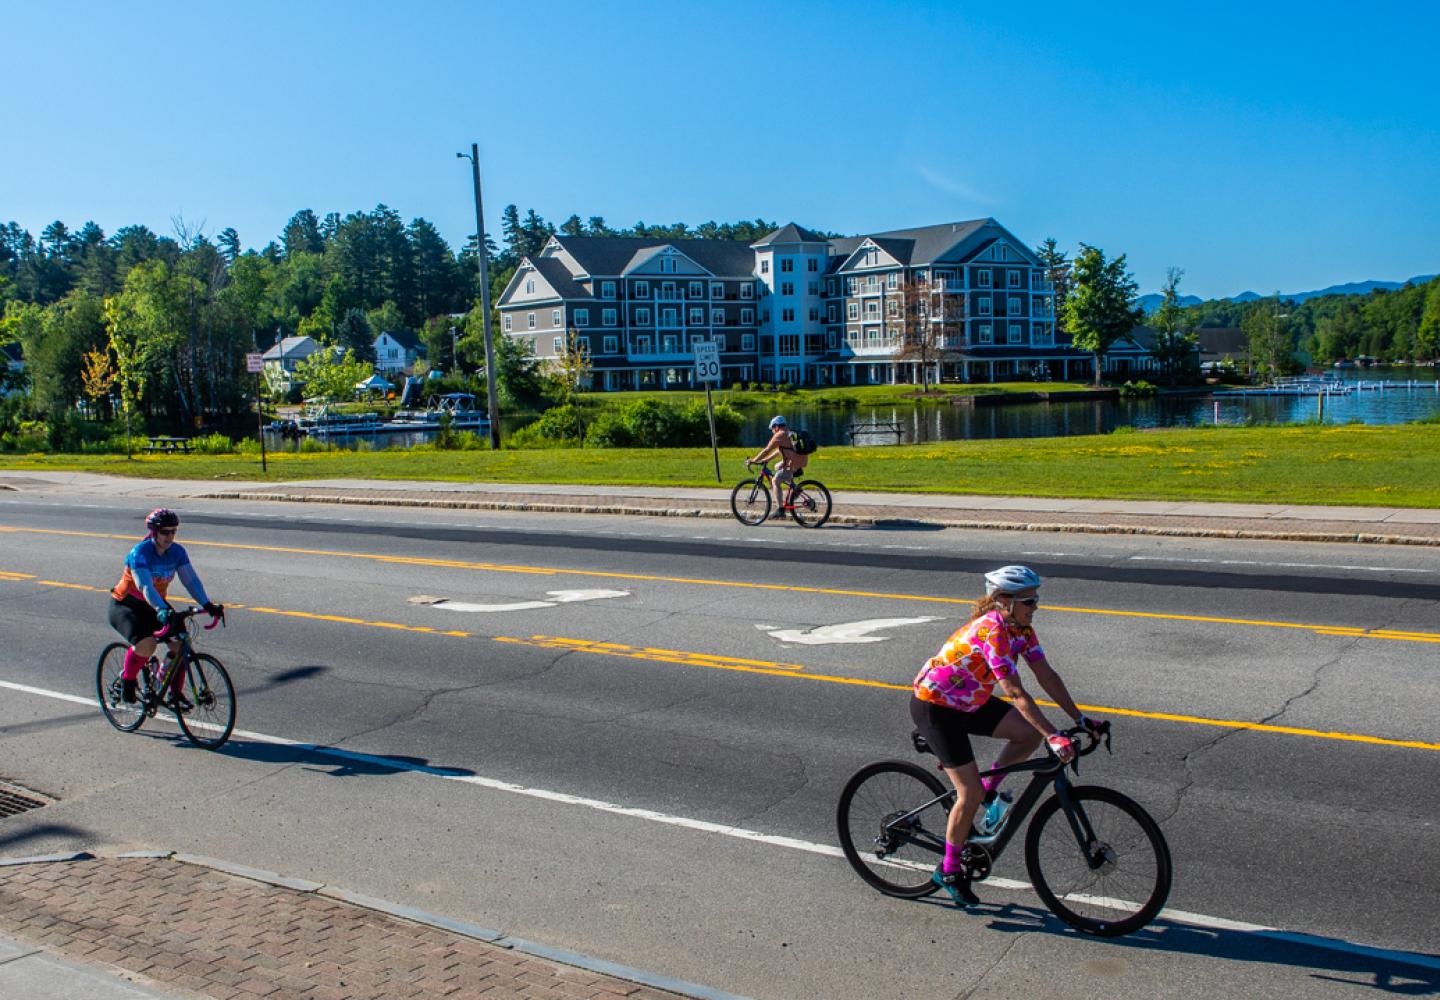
[[1011, 580]]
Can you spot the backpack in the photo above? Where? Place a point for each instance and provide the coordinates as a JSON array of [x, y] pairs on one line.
[[802, 442]]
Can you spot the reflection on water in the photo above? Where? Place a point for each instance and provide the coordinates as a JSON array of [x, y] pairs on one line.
[[919, 424]]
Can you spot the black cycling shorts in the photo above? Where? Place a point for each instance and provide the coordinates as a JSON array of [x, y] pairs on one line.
[[948, 730], [134, 619]]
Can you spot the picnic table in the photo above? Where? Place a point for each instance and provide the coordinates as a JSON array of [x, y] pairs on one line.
[[169, 445], [875, 427]]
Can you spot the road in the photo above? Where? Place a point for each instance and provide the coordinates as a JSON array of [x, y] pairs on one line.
[[626, 737]]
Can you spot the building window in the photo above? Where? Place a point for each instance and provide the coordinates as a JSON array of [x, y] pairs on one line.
[[812, 265], [787, 264], [787, 315], [814, 314], [787, 288], [697, 316], [582, 317], [555, 317], [892, 279], [559, 345], [747, 291], [747, 342], [697, 289], [985, 335], [1014, 308], [892, 308], [765, 266], [667, 290], [607, 289], [672, 343], [831, 314], [642, 289], [642, 345], [612, 344], [872, 309], [833, 340], [607, 316], [530, 320], [1012, 279], [982, 304], [507, 323], [529, 286], [790, 344], [1015, 333], [717, 317], [747, 317], [852, 310], [642, 316], [717, 290], [830, 287], [764, 315], [983, 278], [669, 317]]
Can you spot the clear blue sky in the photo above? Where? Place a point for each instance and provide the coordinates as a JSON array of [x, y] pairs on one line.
[[1257, 146]]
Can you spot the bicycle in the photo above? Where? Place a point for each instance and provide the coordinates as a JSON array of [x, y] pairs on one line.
[[203, 699], [808, 501], [1108, 855]]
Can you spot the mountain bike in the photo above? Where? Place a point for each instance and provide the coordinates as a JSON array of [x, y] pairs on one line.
[[808, 501], [193, 685], [1095, 857]]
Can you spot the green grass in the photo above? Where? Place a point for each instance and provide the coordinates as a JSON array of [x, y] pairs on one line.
[[1355, 464]]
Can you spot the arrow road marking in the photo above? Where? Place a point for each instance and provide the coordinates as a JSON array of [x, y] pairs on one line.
[[846, 632], [555, 597]]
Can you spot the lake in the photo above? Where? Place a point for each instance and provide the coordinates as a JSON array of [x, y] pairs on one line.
[[1055, 418]]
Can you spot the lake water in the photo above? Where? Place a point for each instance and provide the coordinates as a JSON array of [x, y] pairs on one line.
[[1055, 418]]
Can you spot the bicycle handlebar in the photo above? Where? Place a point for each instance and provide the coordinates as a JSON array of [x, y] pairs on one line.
[[177, 620]]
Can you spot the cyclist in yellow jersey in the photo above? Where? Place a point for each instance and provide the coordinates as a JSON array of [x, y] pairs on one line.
[[954, 699]]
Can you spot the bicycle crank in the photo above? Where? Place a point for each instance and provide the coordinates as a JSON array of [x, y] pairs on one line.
[[976, 861]]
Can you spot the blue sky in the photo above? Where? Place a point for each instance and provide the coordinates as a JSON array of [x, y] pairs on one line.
[[1257, 146]]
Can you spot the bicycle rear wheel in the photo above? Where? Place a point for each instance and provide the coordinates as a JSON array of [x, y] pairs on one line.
[[1113, 885], [812, 504], [750, 502], [126, 716], [208, 688], [891, 819]]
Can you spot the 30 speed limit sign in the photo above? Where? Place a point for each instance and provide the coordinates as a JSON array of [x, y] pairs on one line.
[[707, 362]]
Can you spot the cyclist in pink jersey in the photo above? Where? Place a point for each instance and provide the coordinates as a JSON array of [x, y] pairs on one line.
[[954, 699]]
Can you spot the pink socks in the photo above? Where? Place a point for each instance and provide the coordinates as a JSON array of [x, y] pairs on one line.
[[952, 857], [133, 662]]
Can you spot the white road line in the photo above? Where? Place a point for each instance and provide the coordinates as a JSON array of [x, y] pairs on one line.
[[1286, 565], [773, 840]]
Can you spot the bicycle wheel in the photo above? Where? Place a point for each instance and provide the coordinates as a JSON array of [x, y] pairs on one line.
[[812, 504], [124, 716], [208, 688], [891, 820], [1113, 886], [750, 502]]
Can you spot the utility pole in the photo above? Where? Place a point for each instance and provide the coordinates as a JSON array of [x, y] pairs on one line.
[[490, 374]]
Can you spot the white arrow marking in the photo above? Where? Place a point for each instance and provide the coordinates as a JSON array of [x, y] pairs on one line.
[[556, 597], [847, 632]]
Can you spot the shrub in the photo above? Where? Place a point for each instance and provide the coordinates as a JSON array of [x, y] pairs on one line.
[[247, 446], [560, 423], [752, 386], [766, 387], [649, 423], [1133, 390], [736, 386], [212, 444]]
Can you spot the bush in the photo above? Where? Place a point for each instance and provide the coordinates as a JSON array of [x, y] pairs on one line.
[[736, 386], [212, 444], [648, 423], [752, 386], [247, 446], [1135, 390], [560, 423]]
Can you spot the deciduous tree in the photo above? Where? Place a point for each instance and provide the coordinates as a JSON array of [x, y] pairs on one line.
[[1101, 306]]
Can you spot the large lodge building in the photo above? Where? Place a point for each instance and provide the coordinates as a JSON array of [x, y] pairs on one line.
[[967, 300]]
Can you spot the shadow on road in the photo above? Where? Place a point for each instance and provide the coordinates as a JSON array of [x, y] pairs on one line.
[[334, 761], [1330, 963], [41, 831]]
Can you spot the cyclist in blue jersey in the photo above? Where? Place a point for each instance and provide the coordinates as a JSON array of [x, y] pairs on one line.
[[139, 607]]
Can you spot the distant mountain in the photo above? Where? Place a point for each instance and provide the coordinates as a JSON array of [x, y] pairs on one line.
[[1152, 301]]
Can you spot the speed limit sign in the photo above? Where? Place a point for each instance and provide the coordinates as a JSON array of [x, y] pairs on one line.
[[707, 362]]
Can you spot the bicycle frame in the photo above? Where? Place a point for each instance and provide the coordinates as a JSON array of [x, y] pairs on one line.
[[175, 659], [765, 479]]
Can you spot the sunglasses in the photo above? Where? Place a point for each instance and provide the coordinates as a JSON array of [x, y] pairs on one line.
[[1029, 602], [167, 531]]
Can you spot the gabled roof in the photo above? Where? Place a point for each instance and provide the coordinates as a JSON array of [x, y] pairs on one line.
[[1222, 340], [560, 278], [915, 247], [789, 233], [291, 347], [608, 256], [404, 338]]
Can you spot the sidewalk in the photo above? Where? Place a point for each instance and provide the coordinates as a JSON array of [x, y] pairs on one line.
[[155, 925], [1392, 525]]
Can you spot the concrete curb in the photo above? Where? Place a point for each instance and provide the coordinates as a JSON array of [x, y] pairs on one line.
[[1368, 538], [499, 939]]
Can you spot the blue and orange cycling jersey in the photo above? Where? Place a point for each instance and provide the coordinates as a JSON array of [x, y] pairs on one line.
[[148, 574]]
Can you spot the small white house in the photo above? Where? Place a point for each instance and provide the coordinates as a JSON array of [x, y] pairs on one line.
[[396, 350], [282, 359]]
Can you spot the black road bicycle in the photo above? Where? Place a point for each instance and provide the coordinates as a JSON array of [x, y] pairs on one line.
[[202, 698], [808, 501], [1096, 858]]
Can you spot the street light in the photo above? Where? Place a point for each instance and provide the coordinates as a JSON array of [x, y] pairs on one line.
[[494, 409]]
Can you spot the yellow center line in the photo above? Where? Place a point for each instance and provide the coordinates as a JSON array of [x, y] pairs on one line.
[[1342, 631], [793, 670]]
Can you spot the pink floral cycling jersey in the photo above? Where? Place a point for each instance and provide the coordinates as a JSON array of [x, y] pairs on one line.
[[963, 674]]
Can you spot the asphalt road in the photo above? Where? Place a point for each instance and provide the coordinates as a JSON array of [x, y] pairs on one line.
[[667, 800]]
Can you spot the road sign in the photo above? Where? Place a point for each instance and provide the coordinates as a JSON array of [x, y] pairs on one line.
[[707, 362], [254, 363]]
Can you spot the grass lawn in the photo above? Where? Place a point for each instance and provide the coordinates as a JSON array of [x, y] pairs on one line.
[[1355, 464]]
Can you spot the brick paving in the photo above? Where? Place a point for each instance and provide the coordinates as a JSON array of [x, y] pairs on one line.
[[1192, 525], [216, 935]]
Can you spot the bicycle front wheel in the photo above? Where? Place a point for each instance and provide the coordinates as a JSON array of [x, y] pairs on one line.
[[750, 502], [891, 820], [1106, 870], [126, 716], [207, 686], [812, 504]]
